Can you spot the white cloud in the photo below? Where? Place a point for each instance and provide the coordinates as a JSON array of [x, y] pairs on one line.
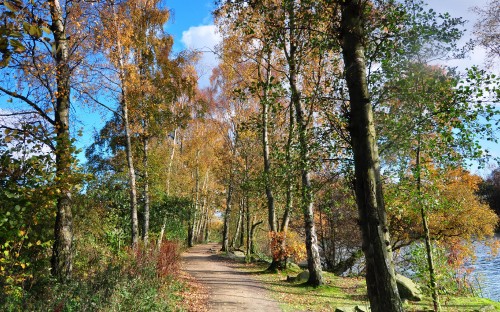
[[203, 38]]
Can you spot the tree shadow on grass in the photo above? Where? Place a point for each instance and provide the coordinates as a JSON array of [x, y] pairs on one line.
[[304, 289]]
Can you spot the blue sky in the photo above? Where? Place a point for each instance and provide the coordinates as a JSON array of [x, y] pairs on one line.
[[192, 27]]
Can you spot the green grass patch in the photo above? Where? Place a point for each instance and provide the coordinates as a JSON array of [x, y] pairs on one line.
[[344, 292]]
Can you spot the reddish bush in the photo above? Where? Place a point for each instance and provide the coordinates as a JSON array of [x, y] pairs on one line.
[[287, 245], [168, 259], [165, 261]]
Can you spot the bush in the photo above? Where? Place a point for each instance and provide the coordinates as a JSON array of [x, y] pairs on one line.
[[141, 280], [452, 276], [294, 247]]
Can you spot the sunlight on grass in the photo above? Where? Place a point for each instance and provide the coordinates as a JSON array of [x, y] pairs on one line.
[[345, 292]]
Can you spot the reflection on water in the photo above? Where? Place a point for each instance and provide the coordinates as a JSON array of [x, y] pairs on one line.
[[488, 269]]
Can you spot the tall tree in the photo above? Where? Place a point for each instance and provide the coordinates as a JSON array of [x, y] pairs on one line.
[[427, 117], [62, 255], [115, 44], [380, 276], [158, 80], [139, 50], [297, 18], [278, 32], [44, 68], [124, 101]]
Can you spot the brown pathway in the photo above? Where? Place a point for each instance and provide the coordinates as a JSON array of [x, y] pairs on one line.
[[228, 289]]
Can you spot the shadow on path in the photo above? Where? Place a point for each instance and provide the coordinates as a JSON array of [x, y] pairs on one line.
[[229, 289]]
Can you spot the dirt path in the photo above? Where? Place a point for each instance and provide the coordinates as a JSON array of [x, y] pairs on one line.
[[229, 289]]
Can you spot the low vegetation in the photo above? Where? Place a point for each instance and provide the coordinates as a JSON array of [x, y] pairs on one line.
[[346, 292], [142, 280]]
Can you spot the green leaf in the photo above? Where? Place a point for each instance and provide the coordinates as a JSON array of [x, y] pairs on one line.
[[46, 30], [16, 34], [4, 44], [17, 45], [35, 31], [26, 26], [10, 6], [5, 60]]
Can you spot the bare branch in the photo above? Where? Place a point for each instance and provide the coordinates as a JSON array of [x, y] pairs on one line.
[[30, 103]]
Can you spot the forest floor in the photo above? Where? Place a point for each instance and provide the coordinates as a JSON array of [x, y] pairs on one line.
[[231, 285], [227, 288]]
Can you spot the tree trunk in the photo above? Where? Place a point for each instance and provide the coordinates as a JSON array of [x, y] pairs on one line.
[[265, 152], [190, 231], [227, 215], [252, 232], [202, 209], [169, 174], [427, 235], [289, 182], [289, 179], [62, 252], [162, 232], [128, 144], [229, 198], [203, 234], [249, 224], [206, 234], [131, 174], [289, 173], [145, 229], [196, 209], [171, 161], [267, 168], [203, 220], [242, 232], [194, 224], [238, 227], [276, 263], [380, 278], [313, 257]]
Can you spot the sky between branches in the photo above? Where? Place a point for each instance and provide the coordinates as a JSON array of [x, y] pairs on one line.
[[192, 27]]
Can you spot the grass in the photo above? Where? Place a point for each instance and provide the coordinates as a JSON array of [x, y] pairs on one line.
[[344, 292]]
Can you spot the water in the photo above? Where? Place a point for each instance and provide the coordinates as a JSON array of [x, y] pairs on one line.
[[488, 270]]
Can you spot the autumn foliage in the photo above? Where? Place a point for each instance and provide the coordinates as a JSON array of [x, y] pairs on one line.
[[287, 246], [455, 210]]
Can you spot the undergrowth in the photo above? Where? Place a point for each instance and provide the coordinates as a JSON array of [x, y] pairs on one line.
[[141, 280]]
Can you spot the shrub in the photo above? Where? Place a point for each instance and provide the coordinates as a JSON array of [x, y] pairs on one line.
[[293, 247]]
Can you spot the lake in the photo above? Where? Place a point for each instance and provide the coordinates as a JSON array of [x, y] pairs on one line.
[[488, 270]]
